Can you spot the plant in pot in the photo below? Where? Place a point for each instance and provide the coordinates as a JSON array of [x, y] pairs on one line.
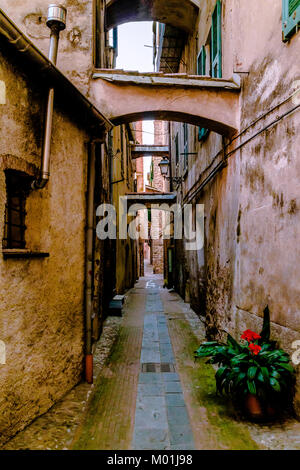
[[255, 373]]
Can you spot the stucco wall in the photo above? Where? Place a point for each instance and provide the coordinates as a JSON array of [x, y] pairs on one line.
[[75, 55], [251, 207], [41, 300]]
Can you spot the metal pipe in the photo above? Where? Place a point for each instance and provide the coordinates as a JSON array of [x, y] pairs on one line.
[[89, 265], [56, 21], [50, 73]]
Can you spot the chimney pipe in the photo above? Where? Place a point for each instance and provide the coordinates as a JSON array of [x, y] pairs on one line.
[[56, 21]]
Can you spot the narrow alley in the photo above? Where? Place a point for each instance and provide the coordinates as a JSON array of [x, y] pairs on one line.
[[149, 225], [150, 393]]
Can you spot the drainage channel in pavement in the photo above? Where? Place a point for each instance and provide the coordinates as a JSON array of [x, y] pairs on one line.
[[161, 417]]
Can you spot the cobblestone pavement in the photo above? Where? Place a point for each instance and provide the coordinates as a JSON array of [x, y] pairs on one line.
[[151, 393]]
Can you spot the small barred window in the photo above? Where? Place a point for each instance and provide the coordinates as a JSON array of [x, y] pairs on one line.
[[17, 190]]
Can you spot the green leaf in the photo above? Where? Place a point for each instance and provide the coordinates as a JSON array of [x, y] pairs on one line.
[[265, 332], [251, 372], [221, 372], [210, 343], [233, 343], [240, 357], [265, 373], [286, 366], [275, 384], [240, 377], [260, 377], [275, 374], [251, 387]]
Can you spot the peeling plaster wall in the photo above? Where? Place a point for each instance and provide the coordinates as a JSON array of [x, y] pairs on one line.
[[75, 54], [252, 228], [41, 300]]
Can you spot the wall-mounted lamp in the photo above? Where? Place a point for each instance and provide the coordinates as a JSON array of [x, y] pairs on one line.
[[164, 165]]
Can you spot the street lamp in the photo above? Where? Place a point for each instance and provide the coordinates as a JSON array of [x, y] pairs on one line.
[[164, 169], [164, 166]]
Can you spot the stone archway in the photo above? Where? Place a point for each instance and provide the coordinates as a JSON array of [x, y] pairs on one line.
[[202, 101], [181, 14]]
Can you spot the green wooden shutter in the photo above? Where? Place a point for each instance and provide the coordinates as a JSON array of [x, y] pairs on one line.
[[290, 18], [185, 145], [201, 62], [216, 41], [201, 70]]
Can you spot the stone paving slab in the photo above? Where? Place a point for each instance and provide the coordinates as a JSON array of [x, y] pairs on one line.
[[151, 389], [149, 377], [172, 387], [157, 393], [149, 439], [174, 399], [170, 377], [177, 415], [151, 412], [181, 434]]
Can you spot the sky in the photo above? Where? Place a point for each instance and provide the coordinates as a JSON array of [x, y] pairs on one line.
[[133, 55]]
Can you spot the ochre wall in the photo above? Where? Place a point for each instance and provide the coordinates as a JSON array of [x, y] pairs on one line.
[[75, 54], [41, 300]]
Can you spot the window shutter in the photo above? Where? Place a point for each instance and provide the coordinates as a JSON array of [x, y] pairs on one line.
[[216, 41], [185, 145], [201, 70], [115, 39], [201, 62], [290, 18]]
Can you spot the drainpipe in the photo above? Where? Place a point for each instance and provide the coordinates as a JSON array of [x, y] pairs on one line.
[[56, 21], [89, 265]]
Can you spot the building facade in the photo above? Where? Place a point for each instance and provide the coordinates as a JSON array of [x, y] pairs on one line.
[[248, 184], [57, 276]]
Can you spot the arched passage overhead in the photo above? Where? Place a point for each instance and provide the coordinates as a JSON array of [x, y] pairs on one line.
[[181, 14], [202, 101]]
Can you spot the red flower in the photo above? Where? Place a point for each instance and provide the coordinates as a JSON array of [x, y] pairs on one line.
[[254, 348], [250, 336]]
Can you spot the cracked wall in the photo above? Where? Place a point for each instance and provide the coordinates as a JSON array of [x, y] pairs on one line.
[[251, 208]]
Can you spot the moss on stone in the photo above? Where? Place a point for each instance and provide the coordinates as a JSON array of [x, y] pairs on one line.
[[222, 428]]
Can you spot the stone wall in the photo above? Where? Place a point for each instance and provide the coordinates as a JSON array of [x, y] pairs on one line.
[[41, 302], [76, 46], [251, 207]]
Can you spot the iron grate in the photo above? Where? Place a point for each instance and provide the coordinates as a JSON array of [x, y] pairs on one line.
[[162, 367]]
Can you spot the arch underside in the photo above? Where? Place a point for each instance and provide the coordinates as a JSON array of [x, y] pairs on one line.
[[181, 14], [165, 115]]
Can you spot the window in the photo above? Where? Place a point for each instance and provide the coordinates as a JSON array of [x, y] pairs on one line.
[[185, 145], [201, 62], [17, 189], [290, 18], [201, 70], [216, 42], [113, 39]]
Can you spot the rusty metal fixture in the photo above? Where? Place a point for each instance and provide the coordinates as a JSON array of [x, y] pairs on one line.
[[56, 21], [56, 16], [89, 368]]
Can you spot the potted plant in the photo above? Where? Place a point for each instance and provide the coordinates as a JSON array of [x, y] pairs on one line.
[[255, 372]]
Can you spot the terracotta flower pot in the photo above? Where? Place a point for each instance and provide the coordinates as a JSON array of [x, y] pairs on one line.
[[271, 411], [253, 407]]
